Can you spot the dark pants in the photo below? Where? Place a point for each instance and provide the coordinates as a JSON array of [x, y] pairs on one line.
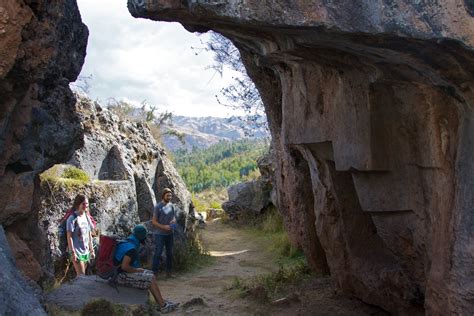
[[160, 242]]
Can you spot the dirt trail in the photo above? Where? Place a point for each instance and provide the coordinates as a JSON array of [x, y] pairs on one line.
[[238, 255]]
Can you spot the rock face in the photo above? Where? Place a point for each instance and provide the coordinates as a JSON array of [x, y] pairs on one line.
[[16, 296], [128, 169], [371, 109], [42, 49]]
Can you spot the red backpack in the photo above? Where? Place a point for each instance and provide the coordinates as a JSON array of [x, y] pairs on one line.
[[105, 260]]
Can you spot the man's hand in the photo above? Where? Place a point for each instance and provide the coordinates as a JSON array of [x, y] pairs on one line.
[[167, 228], [73, 256]]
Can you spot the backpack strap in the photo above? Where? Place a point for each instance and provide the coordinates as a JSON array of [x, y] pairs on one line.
[[91, 226]]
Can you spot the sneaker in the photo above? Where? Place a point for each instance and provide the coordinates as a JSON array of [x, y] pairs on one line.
[[175, 305], [169, 307]]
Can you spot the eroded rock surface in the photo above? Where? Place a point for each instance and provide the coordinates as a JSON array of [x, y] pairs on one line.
[[16, 295], [42, 49], [370, 106]]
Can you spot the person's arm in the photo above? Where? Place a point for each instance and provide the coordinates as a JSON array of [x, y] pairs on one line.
[[125, 266], [155, 223], [91, 227], [70, 245], [173, 221], [69, 232]]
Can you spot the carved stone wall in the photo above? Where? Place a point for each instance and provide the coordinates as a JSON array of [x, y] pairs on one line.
[[370, 106]]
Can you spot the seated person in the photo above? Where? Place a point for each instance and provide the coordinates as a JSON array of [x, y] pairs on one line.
[[127, 258]]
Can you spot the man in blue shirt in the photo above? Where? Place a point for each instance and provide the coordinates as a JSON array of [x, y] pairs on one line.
[[130, 274], [164, 222]]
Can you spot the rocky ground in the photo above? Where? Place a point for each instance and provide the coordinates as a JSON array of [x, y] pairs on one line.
[[237, 254]]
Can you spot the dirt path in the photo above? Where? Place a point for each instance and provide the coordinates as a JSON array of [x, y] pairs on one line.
[[238, 255]]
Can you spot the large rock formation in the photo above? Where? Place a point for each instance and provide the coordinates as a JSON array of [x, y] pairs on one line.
[[42, 49], [370, 106], [127, 168]]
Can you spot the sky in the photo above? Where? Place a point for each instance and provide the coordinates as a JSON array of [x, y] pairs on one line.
[[141, 60]]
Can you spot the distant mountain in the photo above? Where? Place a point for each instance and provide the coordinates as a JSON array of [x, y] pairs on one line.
[[202, 132]]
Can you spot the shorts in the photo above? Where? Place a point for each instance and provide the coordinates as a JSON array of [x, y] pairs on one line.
[[82, 258], [139, 280]]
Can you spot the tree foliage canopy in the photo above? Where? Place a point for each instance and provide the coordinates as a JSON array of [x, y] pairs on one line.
[[220, 165]]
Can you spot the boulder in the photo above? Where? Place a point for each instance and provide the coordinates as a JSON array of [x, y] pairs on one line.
[[370, 107], [112, 203], [253, 197], [24, 257], [73, 295], [16, 295]]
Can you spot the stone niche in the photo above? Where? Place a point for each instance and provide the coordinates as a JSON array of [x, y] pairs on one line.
[[370, 107]]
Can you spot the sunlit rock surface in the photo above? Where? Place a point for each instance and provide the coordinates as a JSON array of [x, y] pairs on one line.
[[370, 106]]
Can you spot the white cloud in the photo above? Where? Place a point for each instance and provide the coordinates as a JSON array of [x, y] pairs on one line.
[[137, 59]]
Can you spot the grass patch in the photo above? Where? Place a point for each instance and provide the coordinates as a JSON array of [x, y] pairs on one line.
[[64, 176], [266, 286], [268, 229], [74, 173]]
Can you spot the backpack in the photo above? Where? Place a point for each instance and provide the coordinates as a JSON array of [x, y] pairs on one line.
[[105, 260], [106, 269]]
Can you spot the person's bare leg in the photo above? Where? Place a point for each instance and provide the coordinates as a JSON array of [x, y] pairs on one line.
[[80, 268], [155, 291], [77, 267]]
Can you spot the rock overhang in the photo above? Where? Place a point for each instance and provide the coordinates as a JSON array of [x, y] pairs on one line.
[[370, 105]]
